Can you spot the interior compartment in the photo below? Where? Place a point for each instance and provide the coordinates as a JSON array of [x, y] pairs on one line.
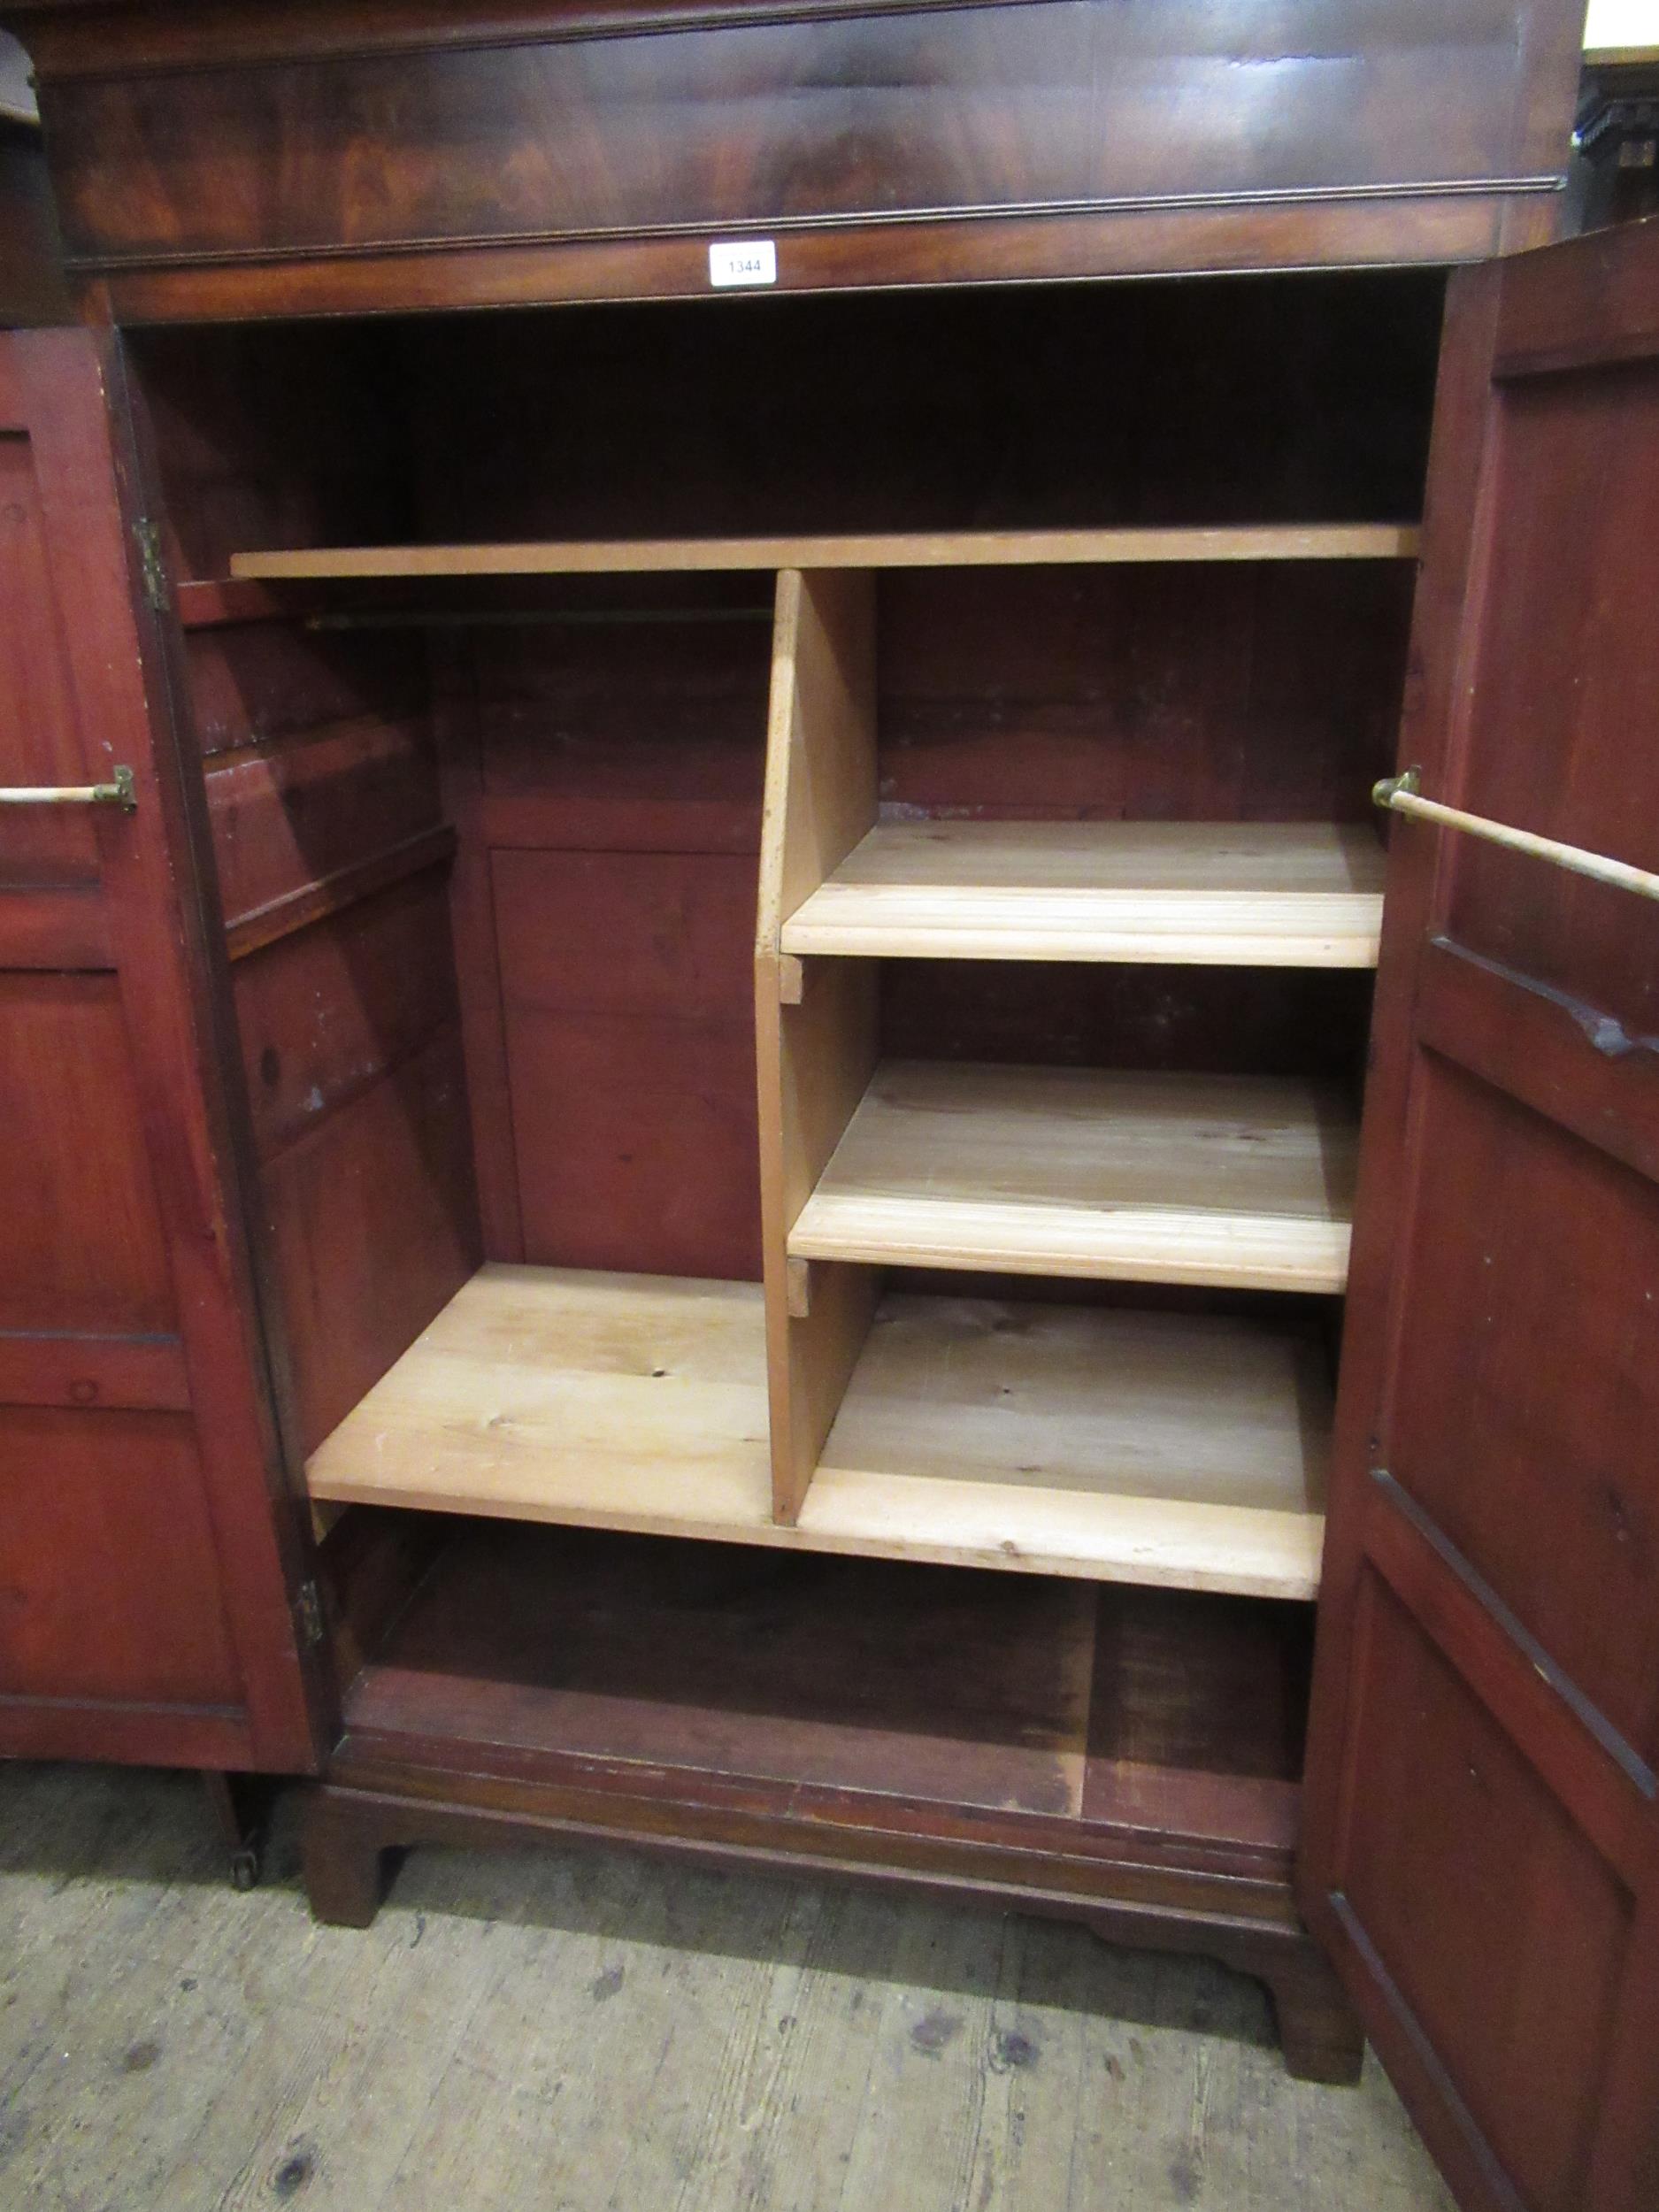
[[1070, 777], [538, 843], [1053, 1717]]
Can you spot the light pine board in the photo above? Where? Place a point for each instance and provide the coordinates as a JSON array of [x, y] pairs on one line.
[[820, 790], [816, 1052], [529, 2031], [1036, 1438], [1258, 895], [1242, 1180], [1169, 1448], [630, 1402], [946, 548]]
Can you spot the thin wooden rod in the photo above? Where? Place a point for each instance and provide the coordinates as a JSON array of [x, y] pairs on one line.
[[535, 618], [1402, 796], [119, 792]]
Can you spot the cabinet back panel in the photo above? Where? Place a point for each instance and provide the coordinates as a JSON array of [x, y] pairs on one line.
[[1218, 1021], [631, 715], [1250, 400], [629, 1008], [1265, 692]]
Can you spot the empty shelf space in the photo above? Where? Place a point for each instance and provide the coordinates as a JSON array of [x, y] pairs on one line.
[[1188, 1451], [1261, 895], [948, 548], [1245, 1180], [1075, 1717]]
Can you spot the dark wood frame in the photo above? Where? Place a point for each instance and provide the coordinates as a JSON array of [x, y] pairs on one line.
[[927, 192]]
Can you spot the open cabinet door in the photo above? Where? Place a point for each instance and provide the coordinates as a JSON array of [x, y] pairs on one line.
[[1482, 1854], [148, 1561]]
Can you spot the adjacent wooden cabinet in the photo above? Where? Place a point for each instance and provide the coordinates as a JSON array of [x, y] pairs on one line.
[[753, 1145], [146, 1568]]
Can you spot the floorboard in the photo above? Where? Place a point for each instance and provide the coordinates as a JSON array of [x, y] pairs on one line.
[[588, 2031]]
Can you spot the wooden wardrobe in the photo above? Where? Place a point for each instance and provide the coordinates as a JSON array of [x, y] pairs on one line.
[[730, 1126]]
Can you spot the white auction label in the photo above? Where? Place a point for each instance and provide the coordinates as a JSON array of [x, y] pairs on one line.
[[743, 261]]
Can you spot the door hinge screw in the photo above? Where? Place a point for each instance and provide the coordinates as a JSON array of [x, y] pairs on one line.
[[308, 1610], [152, 565]]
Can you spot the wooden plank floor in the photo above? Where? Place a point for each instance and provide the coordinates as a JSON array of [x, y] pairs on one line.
[[579, 2031]]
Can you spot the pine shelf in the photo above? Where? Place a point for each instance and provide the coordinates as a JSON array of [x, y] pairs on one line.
[[1159, 1449], [1241, 1180], [1261, 895], [628, 1401], [1154, 1447], [937, 549]]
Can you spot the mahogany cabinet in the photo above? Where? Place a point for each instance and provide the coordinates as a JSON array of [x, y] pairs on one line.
[[751, 1147], [148, 1571]]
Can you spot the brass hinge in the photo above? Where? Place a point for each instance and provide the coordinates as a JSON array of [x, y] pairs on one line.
[[151, 565], [1409, 786], [308, 1612]]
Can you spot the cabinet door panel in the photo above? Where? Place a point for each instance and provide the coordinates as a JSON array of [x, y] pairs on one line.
[[148, 1552], [1529, 1346], [85, 1248], [42, 745], [1568, 702], [1485, 1884], [1482, 1851], [107, 1573]]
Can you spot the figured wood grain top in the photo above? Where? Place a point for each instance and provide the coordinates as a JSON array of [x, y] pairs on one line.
[[1294, 893], [946, 548], [1150, 1177]]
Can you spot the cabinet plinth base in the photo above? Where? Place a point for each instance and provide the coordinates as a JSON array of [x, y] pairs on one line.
[[1126, 1758], [354, 1839]]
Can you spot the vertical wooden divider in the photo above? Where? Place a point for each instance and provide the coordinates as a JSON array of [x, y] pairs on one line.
[[815, 1022]]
